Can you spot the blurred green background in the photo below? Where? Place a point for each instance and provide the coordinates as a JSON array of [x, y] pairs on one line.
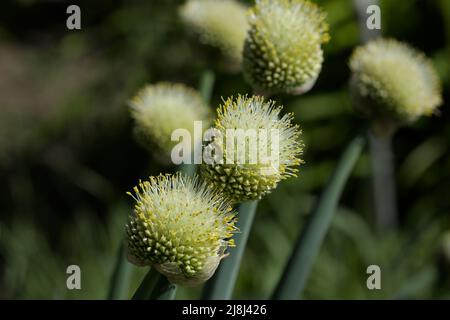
[[67, 153]]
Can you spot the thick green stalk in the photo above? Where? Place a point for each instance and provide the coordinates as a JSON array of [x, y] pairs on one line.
[[383, 182], [120, 278], [155, 286], [307, 247], [365, 33], [188, 169], [206, 85], [221, 286]]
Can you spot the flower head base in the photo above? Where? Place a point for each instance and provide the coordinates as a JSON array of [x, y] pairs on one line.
[[180, 227], [160, 109], [392, 80], [252, 126], [220, 23], [283, 48]]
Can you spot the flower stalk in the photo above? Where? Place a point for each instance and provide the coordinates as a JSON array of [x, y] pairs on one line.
[[120, 278], [221, 286], [383, 181], [155, 287], [206, 85], [296, 272], [392, 85]]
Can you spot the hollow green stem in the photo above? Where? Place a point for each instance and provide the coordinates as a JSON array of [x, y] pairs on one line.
[[120, 278], [206, 85], [383, 182], [155, 286], [221, 286], [361, 6], [188, 169], [307, 247]]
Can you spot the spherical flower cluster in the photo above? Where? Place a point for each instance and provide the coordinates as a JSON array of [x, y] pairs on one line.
[[160, 109], [275, 142], [283, 48], [220, 23], [392, 80], [180, 227]]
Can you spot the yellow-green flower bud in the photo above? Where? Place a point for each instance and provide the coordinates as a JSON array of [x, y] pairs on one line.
[[160, 109], [391, 80], [180, 227], [259, 148], [283, 48], [219, 23]]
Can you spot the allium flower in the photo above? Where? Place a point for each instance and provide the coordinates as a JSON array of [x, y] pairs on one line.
[[180, 227], [283, 48], [249, 177], [391, 79], [220, 23], [160, 109]]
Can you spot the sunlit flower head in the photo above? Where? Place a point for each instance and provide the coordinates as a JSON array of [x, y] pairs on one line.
[[160, 109], [180, 227], [259, 148], [220, 23], [389, 78], [283, 49]]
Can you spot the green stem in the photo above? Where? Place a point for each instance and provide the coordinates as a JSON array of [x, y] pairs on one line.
[[221, 286], [206, 85], [383, 181], [155, 286], [188, 169], [164, 290], [307, 247], [361, 6], [120, 278]]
